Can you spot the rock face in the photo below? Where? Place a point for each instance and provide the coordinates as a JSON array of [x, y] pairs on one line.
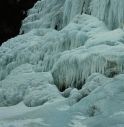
[[12, 12], [67, 69]]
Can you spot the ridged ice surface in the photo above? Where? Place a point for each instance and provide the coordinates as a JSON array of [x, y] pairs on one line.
[[67, 69]]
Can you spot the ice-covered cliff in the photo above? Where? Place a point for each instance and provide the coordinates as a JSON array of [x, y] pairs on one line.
[[66, 70]]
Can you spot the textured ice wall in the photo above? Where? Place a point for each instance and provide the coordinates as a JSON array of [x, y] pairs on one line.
[[71, 55], [68, 63], [45, 14], [57, 14], [110, 11]]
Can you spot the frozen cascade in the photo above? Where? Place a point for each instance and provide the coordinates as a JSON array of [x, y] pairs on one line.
[[110, 11], [43, 15], [67, 66], [72, 8]]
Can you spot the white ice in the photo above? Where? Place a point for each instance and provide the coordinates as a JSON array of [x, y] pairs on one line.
[[66, 70]]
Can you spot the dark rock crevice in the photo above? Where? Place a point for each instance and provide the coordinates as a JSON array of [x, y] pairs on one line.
[[12, 12]]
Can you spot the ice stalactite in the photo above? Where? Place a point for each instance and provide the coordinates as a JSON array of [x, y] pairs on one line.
[[43, 15], [75, 67], [73, 8], [109, 11]]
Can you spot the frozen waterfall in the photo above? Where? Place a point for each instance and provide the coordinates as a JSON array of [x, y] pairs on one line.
[[66, 68]]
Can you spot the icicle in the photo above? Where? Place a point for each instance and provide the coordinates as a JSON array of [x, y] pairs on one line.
[[110, 11]]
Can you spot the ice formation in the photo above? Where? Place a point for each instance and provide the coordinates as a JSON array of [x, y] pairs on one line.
[[67, 67], [110, 11]]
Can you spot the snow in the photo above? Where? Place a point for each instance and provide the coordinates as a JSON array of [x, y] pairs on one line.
[[18, 109], [28, 86], [66, 70], [23, 123]]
